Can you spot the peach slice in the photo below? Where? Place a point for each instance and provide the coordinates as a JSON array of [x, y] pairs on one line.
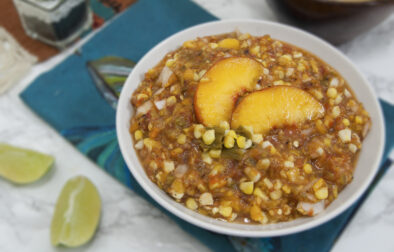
[[275, 107], [219, 88]]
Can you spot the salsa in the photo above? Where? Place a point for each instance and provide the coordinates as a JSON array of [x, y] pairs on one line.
[[294, 169]]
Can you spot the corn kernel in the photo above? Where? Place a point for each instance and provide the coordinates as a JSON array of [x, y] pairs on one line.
[[277, 185], [206, 199], [188, 75], [138, 135], [345, 135], [170, 62], [244, 36], [168, 166], [177, 189], [153, 165], [318, 184], [307, 168], [257, 215], [215, 210], [198, 130], [338, 99], [346, 122], [335, 191], [246, 187], [263, 163], [318, 95], [150, 144], [209, 136], [191, 204], [322, 193], [296, 144], [358, 119], [257, 138], [189, 44], [289, 164], [224, 125], [255, 50], [215, 153], [286, 189], [181, 139], [275, 195], [268, 183], [225, 211], [336, 111], [229, 43], [353, 148], [213, 45], [332, 92], [206, 158], [139, 145], [259, 193], [171, 100], [229, 141], [142, 97], [285, 59], [252, 173], [241, 142]]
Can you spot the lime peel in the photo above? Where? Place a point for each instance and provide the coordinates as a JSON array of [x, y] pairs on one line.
[[22, 166], [77, 213]]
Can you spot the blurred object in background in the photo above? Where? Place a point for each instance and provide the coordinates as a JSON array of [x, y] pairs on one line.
[[337, 21], [55, 22], [15, 61]]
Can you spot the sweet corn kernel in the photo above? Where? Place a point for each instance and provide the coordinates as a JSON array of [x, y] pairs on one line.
[[332, 92], [149, 143], [257, 215], [168, 166], [353, 148], [170, 62], [181, 139], [255, 50], [259, 193], [246, 187], [213, 45], [171, 100], [153, 165], [297, 55], [318, 184], [263, 163], [286, 189], [189, 44], [346, 122], [268, 183], [138, 135], [277, 185], [229, 141], [275, 195], [338, 99], [252, 173], [244, 36], [225, 211], [358, 119], [198, 130], [224, 125], [209, 136], [215, 153], [285, 59], [241, 142], [248, 144], [317, 94], [307, 168], [188, 75], [191, 204], [142, 97], [139, 145], [336, 111], [322, 193], [177, 189], [289, 164], [257, 138], [206, 199], [215, 210], [229, 43], [206, 158], [345, 135], [320, 151]]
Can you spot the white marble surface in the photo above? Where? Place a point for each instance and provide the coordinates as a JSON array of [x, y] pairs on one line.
[[129, 223]]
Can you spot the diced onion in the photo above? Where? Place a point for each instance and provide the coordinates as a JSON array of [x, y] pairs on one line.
[[312, 208], [144, 108], [160, 104], [165, 75], [181, 170]]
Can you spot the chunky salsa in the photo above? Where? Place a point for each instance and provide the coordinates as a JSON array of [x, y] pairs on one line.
[[295, 167]]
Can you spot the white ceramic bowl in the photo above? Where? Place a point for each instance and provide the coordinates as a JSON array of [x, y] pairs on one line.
[[369, 157]]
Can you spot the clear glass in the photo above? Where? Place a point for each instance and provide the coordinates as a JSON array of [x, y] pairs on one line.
[[55, 22]]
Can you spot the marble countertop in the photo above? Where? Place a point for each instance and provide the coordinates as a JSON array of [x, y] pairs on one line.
[[129, 223]]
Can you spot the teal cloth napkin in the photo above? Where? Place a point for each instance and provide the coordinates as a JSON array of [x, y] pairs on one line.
[[73, 98]]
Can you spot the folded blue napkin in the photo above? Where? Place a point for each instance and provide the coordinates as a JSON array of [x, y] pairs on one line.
[[71, 98]]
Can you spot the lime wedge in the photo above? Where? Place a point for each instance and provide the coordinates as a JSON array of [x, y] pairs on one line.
[[23, 166], [77, 213]]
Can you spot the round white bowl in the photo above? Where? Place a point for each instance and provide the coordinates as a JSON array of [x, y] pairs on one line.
[[369, 157]]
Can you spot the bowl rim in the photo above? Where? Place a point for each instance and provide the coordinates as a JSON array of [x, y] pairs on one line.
[[145, 183]]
